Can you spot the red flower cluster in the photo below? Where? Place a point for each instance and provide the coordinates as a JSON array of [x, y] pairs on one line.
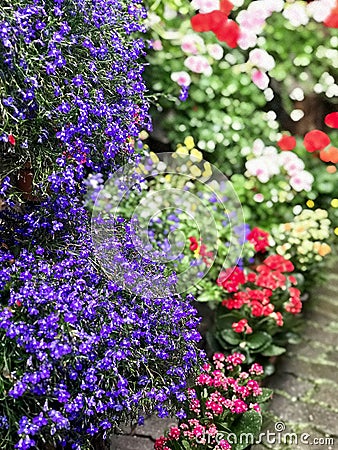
[[242, 327], [259, 288], [231, 278], [316, 140], [225, 29], [259, 238], [278, 262], [294, 306]]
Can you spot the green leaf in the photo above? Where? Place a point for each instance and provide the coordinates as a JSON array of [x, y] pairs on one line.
[[293, 338], [186, 445], [273, 350], [269, 369], [230, 337], [213, 342], [259, 340], [265, 396], [205, 297], [246, 429], [225, 321]]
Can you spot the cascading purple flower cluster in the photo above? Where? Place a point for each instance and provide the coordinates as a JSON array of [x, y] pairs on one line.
[[64, 95], [78, 353], [82, 353]]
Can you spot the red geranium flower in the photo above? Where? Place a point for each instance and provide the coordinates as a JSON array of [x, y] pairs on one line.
[[193, 243], [241, 326], [211, 21], [259, 238], [229, 33], [287, 142], [316, 140], [331, 120], [226, 6], [11, 139], [278, 262], [231, 278]]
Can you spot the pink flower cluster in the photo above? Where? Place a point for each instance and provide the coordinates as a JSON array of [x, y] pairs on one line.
[[222, 392]]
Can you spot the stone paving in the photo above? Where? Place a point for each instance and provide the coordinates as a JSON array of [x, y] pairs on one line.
[[305, 385], [142, 438]]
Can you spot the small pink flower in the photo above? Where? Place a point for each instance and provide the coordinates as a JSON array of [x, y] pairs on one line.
[[157, 45], [215, 51], [239, 406], [224, 445], [174, 433], [235, 359], [260, 79], [198, 64], [206, 6], [247, 39], [296, 14], [256, 369], [181, 78], [259, 198], [302, 181], [255, 407], [218, 357], [193, 44], [261, 59], [207, 367]]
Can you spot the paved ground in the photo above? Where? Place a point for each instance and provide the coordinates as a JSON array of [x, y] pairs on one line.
[[306, 387], [306, 381], [142, 438]]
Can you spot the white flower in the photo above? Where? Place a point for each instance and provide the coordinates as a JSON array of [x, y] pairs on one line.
[[259, 198], [215, 51], [291, 163], [237, 3], [302, 181], [275, 5], [169, 13], [205, 6], [296, 14], [198, 64], [263, 167], [181, 78], [192, 43], [320, 9], [247, 39], [261, 59], [258, 147]]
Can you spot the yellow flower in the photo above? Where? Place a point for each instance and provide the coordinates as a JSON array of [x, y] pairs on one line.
[[324, 250], [189, 142]]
